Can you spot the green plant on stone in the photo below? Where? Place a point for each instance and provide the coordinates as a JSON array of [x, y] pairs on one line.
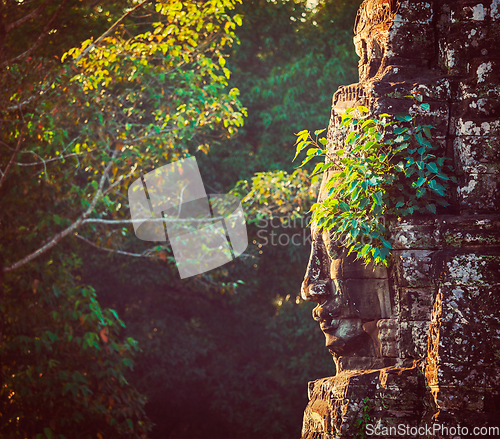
[[361, 422], [381, 167]]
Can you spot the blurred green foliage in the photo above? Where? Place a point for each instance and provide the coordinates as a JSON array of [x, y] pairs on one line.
[[225, 354]]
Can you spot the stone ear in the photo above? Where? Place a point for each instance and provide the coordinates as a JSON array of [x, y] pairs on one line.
[[371, 329]]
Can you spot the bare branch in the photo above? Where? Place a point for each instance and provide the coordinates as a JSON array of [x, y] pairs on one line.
[[155, 220], [111, 29], [40, 39], [27, 17], [11, 161], [56, 238], [112, 250], [21, 105], [53, 159]]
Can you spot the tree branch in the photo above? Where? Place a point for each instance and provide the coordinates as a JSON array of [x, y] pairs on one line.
[[11, 161], [111, 29], [55, 239], [27, 17], [111, 250], [42, 36], [156, 220], [53, 159]]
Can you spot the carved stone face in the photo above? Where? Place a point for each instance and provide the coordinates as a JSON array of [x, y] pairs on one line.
[[352, 300]]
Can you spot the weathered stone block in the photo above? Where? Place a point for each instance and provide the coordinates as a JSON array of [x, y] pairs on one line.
[[487, 75], [471, 305], [413, 267], [479, 193], [355, 269], [492, 376], [465, 41], [413, 339], [437, 116], [478, 107], [477, 127], [478, 267], [474, 89], [471, 231], [469, 345], [470, 377], [388, 331], [365, 294], [415, 234], [468, 10], [495, 10], [415, 11], [437, 90], [454, 398], [477, 155], [416, 303], [410, 41]]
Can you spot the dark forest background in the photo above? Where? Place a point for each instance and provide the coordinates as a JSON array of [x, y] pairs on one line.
[[99, 336]]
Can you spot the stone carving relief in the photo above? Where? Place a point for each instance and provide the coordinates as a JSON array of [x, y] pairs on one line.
[[371, 33], [419, 343]]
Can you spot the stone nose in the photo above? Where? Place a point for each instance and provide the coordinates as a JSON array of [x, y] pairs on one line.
[[317, 291], [326, 311], [336, 306]]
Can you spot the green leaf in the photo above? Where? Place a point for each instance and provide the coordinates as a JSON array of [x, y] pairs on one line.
[[318, 132], [432, 167], [425, 106], [400, 130], [366, 249], [377, 197], [301, 145], [431, 208], [350, 137], [420, 181], [344, 206], [386, 243]]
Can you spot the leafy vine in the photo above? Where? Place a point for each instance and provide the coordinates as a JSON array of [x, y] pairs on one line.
[[384, 167]]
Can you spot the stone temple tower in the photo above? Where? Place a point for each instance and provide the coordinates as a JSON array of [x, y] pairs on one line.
[[420, 354]]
